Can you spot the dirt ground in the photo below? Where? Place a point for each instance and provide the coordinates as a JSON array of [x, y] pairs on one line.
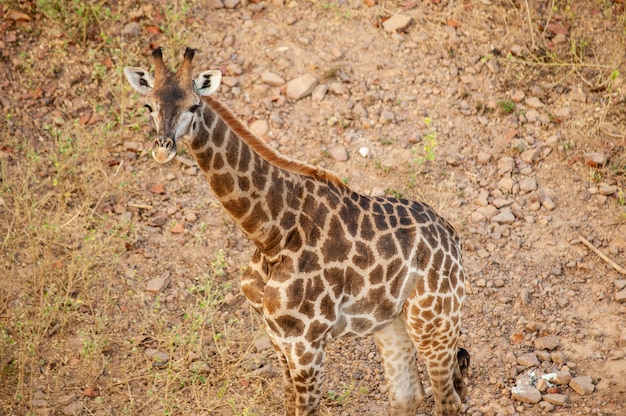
[[119, 277]]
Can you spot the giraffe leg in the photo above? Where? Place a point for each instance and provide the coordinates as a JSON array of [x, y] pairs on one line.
[[436, 342], [290, 393], [303, 374], [405, 390]]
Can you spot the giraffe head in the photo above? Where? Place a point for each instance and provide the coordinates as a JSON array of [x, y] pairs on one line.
[[173, 99]]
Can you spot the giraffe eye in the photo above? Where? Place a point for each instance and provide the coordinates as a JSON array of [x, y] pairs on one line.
[[148, 107], [194, 108]]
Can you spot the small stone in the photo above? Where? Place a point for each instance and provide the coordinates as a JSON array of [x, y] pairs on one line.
[[533, 102], [301, 87], [67, 399], [386, 117], [620, 296], [606, 189], [73, 409], [483, 158], [506, 165], [582, 385], [272, 79], [549, 342], [556, 399], [131, 30], [516, 50], [527, 360], [336, 88], [542, 385], [157, 284], [487, 211], [191, 217], [595, 159], [502, 202], [528, 184], [510, 358], [339, 153], [562, 113], [132, 147], [397, 22], [262, 343], [364, 151], [525, 296], [558, 377], [577, 94], [621, 342], [504, 217], [558, 357], [319, 92], [620, 283], [230, 81], [525, 394], [543, 355], [547, 407], [158, 358], [200, 367], [231, 4], [546, 201], [260, 127], [506, 185], [518, 96]]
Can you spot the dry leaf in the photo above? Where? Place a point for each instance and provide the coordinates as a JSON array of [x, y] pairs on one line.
[[18, 16], [91, 392]]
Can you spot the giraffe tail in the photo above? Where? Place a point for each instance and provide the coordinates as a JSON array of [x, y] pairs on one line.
[[463, 358]]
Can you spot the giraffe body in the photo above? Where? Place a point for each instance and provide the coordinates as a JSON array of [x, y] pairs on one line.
[[329, 262]]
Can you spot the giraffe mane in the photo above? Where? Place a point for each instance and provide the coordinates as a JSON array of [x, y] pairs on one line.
[[265, 151]]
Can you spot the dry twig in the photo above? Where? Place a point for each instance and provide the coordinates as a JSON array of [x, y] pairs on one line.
[[603, 256]]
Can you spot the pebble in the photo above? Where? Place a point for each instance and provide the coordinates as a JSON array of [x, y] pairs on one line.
[[231, 4], [319, 92], [159, 358], [516, 50], [262, 343], [504, 217], [546, 201], [528, 184], [336, 88], [528, 359], [558, 357], [595, 159], [272, 79], [549, 342], [547, 407], [505, 165], [67, 399], [577, 94], [518, 96], [200, 367], [620, 296], [506, 185], [525, 394], [582, 385], [386, 117], [259, 127], [533, 102], [157, 284], [606, 189], [483, 157], [73, 409], [131, 30], [339, 153], [301, 87], [364, 151], [397, 22], [556, 399], [558, 377]]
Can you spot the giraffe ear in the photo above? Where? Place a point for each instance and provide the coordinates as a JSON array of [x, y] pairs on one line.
[[139, 79], [207, 82]]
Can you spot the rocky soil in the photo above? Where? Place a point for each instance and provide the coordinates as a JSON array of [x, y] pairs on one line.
[[506, 116]]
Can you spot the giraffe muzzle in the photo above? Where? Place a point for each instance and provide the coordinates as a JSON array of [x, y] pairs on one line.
[[164, 149]]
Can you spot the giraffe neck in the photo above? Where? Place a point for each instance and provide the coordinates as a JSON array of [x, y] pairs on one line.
[[261, 190]]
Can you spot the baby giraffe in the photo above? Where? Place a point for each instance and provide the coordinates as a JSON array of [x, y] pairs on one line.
[[329, 262]]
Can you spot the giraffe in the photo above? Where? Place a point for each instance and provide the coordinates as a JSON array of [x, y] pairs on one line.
[[329, 262]]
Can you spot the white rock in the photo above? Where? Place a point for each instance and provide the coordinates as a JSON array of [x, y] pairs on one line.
[[301, 87], [364, 151]]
